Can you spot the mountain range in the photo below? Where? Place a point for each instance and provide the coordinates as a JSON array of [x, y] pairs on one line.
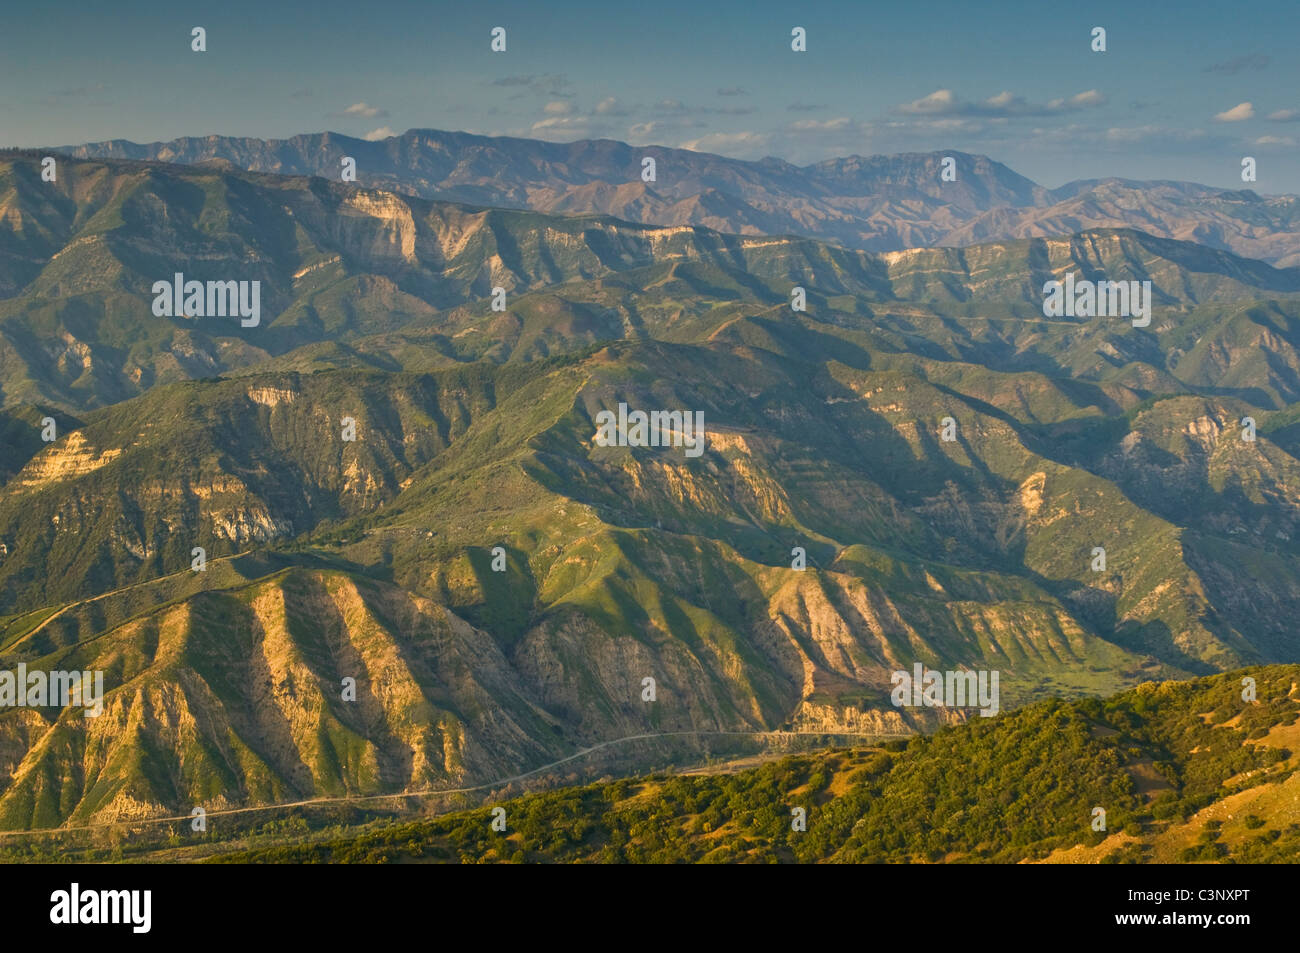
[[372, 558], [875, 203]]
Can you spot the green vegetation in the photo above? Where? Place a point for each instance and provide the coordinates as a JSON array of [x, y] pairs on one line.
[[1013, 788], [371, 559]]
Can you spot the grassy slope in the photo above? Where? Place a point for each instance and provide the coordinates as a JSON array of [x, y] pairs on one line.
[[1185, 771]]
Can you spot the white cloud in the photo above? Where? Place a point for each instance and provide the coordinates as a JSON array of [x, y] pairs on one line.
[[1237, 113], [1090, 97], [561, 122], [729, 143], [562, 129], [822, 125], [558, 107], [1275, 141], [364, 111], [940, 101], [383, 132], [945, 102], [1285, 115]]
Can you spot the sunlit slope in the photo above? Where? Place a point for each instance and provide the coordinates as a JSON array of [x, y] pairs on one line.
[[1167, 773], [876, 203], [352, 276], [237, 697], [627, 563]]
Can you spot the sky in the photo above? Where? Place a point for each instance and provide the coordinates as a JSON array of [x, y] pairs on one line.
[[1184, 90]]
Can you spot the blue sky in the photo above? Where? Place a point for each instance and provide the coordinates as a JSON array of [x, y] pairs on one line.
[[1184, 91]]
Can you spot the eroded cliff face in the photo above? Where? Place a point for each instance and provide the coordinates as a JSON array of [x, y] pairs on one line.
[[74, 457], [877, 203], [240, 698], [128, 498], [619, 564]]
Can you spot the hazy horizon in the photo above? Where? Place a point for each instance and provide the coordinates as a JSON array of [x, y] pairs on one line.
[[650, 145], [1172, 97]]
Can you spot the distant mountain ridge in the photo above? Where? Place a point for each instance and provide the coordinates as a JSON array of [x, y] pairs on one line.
[[340, 263], [876, 203]]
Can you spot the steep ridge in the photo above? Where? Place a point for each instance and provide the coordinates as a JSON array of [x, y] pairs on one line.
[[875, 203], [337, 265], [237, 697], [624, 563]]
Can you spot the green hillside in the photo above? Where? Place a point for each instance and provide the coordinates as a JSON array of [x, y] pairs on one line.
[[393, 482], [1185, 772]]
